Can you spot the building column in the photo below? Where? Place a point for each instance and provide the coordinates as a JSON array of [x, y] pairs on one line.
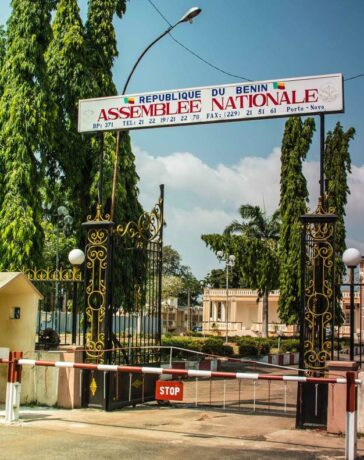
[[233, 310], [214, 318], [260, 311]]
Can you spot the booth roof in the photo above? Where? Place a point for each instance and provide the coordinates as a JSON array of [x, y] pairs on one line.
[[16, 283]]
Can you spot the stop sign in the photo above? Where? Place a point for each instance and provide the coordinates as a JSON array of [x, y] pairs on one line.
[[170, 391]]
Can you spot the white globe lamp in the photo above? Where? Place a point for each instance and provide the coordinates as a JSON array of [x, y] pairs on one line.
[[351, 257], [76, 257]]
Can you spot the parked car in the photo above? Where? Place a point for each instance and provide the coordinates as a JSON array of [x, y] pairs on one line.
[[197, 329]]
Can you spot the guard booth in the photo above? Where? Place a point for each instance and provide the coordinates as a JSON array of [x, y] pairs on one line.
[[18, 316]]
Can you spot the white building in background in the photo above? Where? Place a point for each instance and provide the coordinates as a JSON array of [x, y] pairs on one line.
[[244, 315], [245, 312], [178, 319]]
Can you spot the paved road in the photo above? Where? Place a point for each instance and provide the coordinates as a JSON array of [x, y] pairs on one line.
[[152, 432]]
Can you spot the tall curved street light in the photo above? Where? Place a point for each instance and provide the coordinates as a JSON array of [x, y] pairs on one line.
[[187, 17]]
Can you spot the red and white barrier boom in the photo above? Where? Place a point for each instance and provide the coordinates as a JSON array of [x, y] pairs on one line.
[[16, 361]]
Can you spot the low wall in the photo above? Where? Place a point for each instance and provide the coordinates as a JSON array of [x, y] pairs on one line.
[[48, 386], [284, 359]]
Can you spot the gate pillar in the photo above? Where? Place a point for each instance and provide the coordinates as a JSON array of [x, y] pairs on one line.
[[317, 312], [97, 314]]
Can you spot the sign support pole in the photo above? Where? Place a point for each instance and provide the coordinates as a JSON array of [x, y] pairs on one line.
[[322, 156]]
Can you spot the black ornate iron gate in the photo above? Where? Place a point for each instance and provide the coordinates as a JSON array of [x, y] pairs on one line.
[[123, 278]]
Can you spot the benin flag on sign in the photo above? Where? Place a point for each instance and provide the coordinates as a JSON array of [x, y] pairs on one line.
[[279, 85], [129, 100]]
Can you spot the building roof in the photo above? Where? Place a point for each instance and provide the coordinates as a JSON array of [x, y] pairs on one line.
[[17, 283]]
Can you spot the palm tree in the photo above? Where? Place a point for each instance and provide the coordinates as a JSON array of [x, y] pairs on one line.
[[261, 234]]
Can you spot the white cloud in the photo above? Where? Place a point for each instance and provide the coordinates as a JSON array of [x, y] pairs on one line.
[[204, 199], [253, 180], [355, 206]]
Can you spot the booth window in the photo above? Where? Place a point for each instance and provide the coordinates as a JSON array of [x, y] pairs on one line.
[[15, 313]]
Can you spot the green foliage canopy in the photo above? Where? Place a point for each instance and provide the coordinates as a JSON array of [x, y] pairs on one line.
[[27, 114], [178, 279], [337, 164], [71, 79], [253, 241], [296, 141]]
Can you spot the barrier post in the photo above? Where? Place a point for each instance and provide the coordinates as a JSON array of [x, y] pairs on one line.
[[13, 387], [351, 417]]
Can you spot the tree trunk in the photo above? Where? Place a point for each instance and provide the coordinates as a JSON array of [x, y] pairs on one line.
[[265, 314]]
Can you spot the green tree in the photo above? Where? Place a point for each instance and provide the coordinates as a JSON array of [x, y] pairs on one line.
[[102, 46], [171, 263], [337, 166], [2, 56], [296, 141], [102, 41], [253, 241], [27, 114], [172, 286], [130, 266], [191, 290], [71, 79], [216, 278], [2, 52], [188, 287]]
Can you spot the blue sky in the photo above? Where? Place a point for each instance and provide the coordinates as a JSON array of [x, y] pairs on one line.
[[210, 170]]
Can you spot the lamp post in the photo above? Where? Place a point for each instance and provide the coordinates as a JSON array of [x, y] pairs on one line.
[[76, 258], [187, 17], [204, 286], [351, 258], [64, 222], [279, 335], [229, 261]]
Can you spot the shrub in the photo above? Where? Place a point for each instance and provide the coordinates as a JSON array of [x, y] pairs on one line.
[[215, 346], [194, 334], [248, 349], [211, 345], [261, 345], [189, 343], [290, 345]]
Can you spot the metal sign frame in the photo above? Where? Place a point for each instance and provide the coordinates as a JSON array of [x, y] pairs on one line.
[[214, 104]]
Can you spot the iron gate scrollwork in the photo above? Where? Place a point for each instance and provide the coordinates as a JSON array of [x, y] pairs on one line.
[[59, 316], [97, 292], [123, 280]]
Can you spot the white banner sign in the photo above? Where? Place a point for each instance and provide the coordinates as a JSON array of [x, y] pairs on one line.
[[242, 101]]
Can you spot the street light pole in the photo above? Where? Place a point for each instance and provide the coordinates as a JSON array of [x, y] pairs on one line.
[[76, 258], [187, 17], [352, 312], [229, 262], [64, 220], [351, 258], [227, 303], [189, 307]]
